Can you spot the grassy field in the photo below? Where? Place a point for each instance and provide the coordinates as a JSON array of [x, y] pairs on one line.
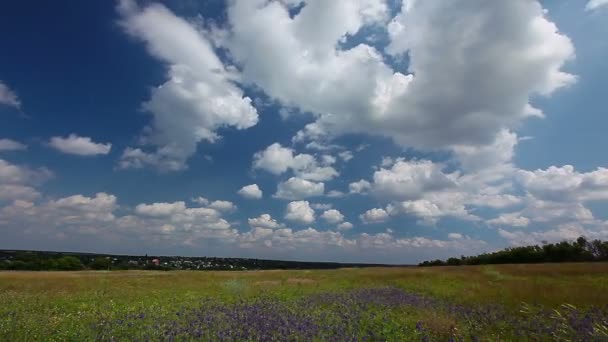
[[501, 302]]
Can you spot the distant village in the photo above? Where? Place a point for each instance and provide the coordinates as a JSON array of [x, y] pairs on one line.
[[67, 261]]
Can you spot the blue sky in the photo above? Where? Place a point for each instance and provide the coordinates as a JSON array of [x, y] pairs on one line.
[[371, 131]]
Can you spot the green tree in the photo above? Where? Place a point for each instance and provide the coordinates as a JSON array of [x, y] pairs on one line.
[[69, 263], [101, 263]]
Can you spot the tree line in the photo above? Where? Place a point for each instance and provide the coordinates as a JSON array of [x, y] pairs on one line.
[[64, 261], [565, 251]]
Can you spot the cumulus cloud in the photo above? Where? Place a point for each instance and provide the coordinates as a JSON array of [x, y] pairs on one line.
[[430, 211], [596, 4], [566, 184], [354, 90], [81, 146], [251, 191], [359, 187], [199, 97], [296, 188], [8, 97], [160, 209], [411, 179], [345, 226], [17, 182], [224, 206], [563, 232], [321, 206], [264, 221], [335, 194], [375, 215], [332, 216], [300, 211], [11, 145], [510, 219], [455, 236], [200, 200], [277, 159]]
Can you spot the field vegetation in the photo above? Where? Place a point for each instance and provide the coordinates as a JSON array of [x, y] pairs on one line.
[[552, 302]]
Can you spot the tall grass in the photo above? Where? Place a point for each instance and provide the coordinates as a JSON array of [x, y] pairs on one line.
[[61, 306]]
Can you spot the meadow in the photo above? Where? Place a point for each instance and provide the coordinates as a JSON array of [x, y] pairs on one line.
[[544, 302]]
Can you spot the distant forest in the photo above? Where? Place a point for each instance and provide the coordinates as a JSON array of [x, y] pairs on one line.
[[67, 261], [575, 251]]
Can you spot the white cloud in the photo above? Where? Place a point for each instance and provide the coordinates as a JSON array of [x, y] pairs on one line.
[[8, 96], [567, 232], [550, 211], [596, 4], [296, 188], [200, 200], [82, 146], [160, 209], [410, 179], [498, 154], [566, 184], [18, 192], [345, 226], [332, 216], [360, 187], [264, 221], [300, 211], [353, 90], [199, 97], [251, 191], [430, 211], [335, 194], [15, 174], [375, 215], [277, 159], [346, 155], [321, 206], [455, 236], [510, 219], [11, 145], [224, 206], [16, 181]]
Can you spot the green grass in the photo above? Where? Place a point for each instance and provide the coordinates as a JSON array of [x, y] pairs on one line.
[[63, 306]]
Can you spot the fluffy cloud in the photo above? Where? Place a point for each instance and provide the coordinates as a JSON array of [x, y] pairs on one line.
[[277, 159], [82, 146], [300, 211], [251, 191], [224, 206], [345, 226], [15, 174], [410, 179], [335, 194], [430, 211], [596, 4], [354, 90], [321, 206], [510, 219], [8, 96], [11, 145], [566, 231], [264, 221], [296, 188], [16, 182], [375, 215], [332, 216], [200, 94], [455, 236], [359, 187], [566, 184], [160, 209]]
